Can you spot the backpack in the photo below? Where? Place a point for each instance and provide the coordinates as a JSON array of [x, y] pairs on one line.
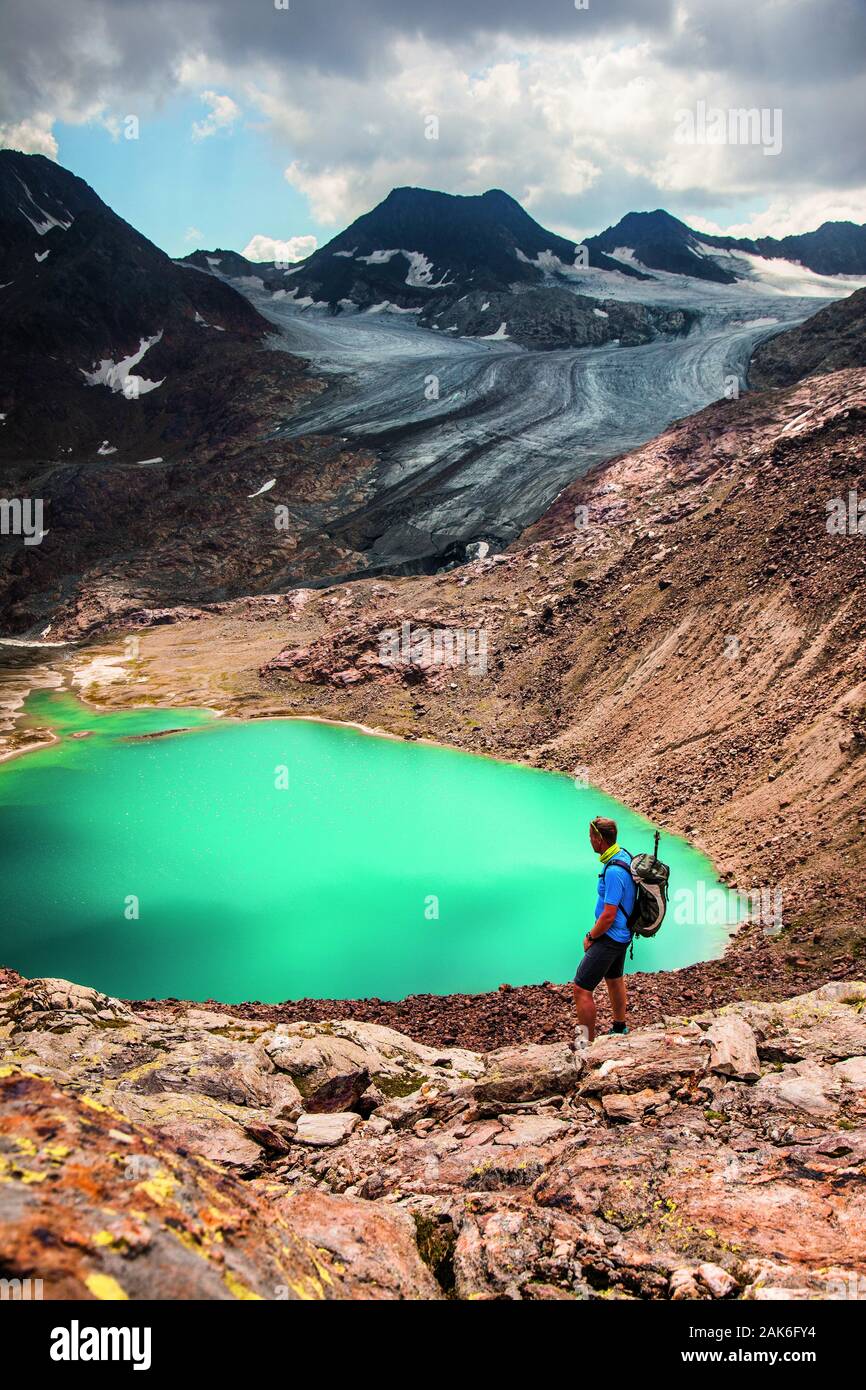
[[650, 877]]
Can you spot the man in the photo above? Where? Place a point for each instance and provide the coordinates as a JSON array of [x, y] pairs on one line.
[[606, 944]]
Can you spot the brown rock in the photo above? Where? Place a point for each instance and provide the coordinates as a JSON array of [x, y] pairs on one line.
[[377, 1243], [96, 1218], [322, 1131], [732, 1049], [525, 1074], [631, 1107]]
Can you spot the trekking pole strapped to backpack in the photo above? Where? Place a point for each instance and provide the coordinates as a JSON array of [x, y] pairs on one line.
[[651, 878]]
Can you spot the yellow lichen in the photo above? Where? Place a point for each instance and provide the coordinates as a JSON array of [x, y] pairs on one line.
[[237, 1289], [94, 1104], [159, 1187], [105, 1287]]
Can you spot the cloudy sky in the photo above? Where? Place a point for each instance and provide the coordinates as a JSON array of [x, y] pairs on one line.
[[254, 123]]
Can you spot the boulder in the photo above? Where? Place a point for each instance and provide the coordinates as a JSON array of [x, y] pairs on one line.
[[853, 1073], [631, 1107], [526, 1073], [684, 1285], [57, 1005], [719, 1281], [733, 1051], [195, 1124], [828, 1024], [655, 1059], [323, 1131], [377, 1243], [330, 1073], [772, 1281], [516, 1131], [333, 1063], [98, 1208], [805, 1086], [504, 1249]]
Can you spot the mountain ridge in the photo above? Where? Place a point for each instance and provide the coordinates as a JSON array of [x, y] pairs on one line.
[[477, 242], [84, 291]]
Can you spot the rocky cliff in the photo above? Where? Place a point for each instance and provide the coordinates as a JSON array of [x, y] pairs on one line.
[[197, 1155], [833, 338]]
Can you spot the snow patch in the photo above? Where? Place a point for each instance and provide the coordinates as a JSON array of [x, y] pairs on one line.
[[624, 253], [386, 307], [420, 273], [30, 642], [115, 375], [40, 256], [306, 302], [47, 220], [347, 254], [265, 487], [779, 276], [545, 260], [600, 314], [380, 257], [106, 448], [499, 336]]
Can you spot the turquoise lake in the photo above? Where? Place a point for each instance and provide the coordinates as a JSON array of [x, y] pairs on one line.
[[281, 859]]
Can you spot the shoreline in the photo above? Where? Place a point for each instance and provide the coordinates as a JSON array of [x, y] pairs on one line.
[[544, 1010], [748, 968]]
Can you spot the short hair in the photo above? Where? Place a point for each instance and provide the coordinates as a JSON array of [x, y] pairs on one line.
[[605, 827]]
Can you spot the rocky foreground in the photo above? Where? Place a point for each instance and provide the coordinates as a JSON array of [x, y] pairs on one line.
[[207, 1156]]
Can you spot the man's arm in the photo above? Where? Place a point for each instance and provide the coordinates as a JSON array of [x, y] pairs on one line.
[[614, 884], [603, 922]]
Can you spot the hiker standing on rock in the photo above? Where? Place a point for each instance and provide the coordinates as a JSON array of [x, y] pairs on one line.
[[608, 940]]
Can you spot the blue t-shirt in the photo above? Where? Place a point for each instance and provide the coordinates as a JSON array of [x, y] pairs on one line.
[[616, 885]]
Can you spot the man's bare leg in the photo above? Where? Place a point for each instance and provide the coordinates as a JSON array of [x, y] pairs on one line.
[[617, 994], [585, 1006]]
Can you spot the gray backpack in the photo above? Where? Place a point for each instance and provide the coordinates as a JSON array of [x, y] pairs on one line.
[[651, 878]]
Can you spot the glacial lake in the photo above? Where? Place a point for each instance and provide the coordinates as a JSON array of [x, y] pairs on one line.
[[286, 858]]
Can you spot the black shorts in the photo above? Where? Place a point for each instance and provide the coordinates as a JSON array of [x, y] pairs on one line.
[[605, 960]]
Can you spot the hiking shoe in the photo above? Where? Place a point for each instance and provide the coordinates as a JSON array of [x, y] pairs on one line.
[[617, 1032], [581, 1039]]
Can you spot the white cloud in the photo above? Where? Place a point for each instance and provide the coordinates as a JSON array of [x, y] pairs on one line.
[[30, 136], [222, 115], [192, 234], [573, 112], [267, 248], [788, 216], [579, 133]]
